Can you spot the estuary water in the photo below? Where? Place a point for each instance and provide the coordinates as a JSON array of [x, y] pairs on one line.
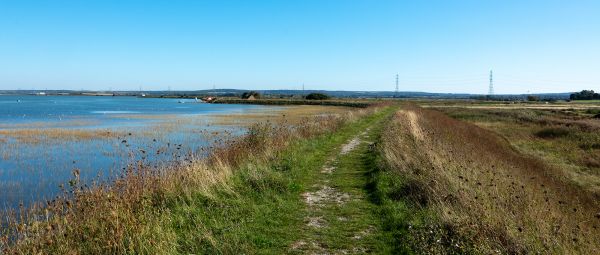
[[44, 139]]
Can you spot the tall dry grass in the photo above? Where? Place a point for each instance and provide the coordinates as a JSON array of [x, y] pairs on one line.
[[488, 196], [127, 215]]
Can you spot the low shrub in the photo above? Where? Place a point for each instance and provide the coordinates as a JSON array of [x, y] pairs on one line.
[[317, 96], [248, 94], [553, 132]]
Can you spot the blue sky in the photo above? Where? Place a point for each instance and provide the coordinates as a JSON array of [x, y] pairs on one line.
[[435, 46]]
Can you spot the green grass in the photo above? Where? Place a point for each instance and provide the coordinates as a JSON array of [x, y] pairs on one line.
[[354, 225], [263, 212]]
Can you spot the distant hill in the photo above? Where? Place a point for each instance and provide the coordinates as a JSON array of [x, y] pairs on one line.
[[291, 93]]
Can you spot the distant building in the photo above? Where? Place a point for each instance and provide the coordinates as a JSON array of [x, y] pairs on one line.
[[209, 99]]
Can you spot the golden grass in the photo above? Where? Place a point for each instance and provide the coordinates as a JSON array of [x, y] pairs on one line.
[[487, 192]]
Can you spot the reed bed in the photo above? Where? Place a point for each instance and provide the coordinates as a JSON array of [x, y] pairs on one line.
[[477, 194], [130, 214]]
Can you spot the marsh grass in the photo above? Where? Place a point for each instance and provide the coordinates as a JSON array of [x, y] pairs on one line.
[[476, 194], [141, 211]]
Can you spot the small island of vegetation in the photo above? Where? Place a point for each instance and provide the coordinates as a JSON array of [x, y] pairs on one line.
[[317, 96]]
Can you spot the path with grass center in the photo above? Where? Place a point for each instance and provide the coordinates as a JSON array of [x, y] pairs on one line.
[[338, 216]]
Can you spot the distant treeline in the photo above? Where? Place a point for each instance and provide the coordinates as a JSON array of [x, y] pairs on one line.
[[585, 95], [361, 104], [511, 98]]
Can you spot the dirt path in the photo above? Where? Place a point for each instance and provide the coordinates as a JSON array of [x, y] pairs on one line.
[[338, 218]]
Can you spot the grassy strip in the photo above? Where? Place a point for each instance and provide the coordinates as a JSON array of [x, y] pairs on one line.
[[348, 103], [262, 212], [343, 220]]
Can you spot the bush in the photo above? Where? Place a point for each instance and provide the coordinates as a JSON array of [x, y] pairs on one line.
[[553, 132], [585, 95], [533, 98], [248, 94], [317, 96]]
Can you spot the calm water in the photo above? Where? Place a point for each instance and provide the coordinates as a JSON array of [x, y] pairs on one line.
[[155, 131]]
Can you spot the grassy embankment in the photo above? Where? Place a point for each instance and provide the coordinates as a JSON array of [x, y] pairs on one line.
[[448, 186], [243, 198]]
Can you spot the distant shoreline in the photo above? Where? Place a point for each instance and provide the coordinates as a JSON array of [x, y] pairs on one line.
[[288, 94]]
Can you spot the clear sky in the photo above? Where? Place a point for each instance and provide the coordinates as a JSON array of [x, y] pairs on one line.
[[435, 46]]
